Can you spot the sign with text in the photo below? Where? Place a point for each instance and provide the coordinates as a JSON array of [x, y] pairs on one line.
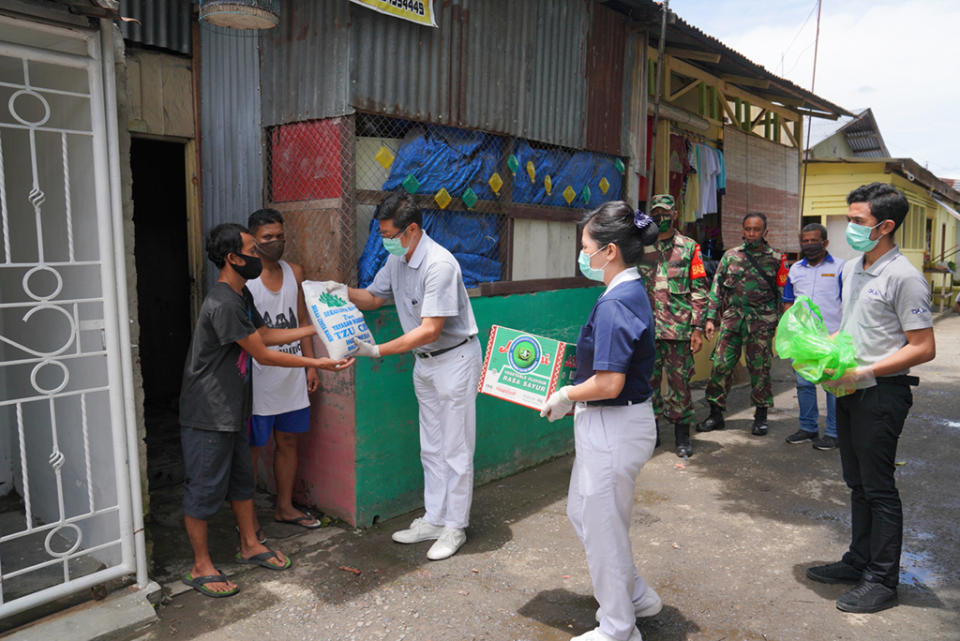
[[525, 368], [419, 11]]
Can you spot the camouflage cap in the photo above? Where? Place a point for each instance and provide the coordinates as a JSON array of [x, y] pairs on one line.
[[662, 201]]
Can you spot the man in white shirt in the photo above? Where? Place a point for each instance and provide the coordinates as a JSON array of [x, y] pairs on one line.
[[425, 283], [886, 309], [817, 275]]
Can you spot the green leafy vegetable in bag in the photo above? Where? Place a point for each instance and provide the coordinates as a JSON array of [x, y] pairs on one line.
[[803, 337]]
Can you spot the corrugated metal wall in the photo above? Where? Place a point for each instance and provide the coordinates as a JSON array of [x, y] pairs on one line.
[[231, 146], [512, 67], [163, 23], [498, 65], [605, 47], [306, 62]]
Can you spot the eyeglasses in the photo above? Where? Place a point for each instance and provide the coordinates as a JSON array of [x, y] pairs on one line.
[[394, 236]]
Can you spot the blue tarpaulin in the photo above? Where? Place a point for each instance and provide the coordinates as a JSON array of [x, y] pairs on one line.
[[454, 159], [447, 158], [578, 169], [472, 238]]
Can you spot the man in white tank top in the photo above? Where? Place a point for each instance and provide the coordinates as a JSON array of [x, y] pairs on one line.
[[280, 403]]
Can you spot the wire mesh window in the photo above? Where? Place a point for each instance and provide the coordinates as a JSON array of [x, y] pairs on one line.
[[507, 208]]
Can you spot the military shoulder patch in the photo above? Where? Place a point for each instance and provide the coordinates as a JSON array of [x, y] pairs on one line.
[[696, 265], [782, 272]]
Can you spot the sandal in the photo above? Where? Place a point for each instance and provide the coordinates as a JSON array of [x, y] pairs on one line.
[[199, 584], [302, 521], [263, 560]]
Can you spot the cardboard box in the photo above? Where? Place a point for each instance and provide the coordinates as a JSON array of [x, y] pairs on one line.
[[525, 368]]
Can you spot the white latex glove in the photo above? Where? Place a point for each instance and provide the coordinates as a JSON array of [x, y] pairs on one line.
[[558, 405], [851, 380], [367, 349]]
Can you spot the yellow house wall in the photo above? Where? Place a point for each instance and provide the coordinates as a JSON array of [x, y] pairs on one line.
[[826, 196], [943, 217]]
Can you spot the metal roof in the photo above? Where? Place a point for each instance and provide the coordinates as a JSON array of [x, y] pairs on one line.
[[159, 23], [508, 67], [646, 14], [860, 132]]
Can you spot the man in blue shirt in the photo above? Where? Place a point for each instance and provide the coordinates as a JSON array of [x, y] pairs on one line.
[[817, 275]]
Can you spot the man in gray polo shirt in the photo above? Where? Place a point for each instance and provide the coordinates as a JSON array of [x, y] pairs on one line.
[[424, 281], [886, 308]]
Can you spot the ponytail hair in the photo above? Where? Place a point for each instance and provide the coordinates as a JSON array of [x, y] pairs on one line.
[[616, 222]]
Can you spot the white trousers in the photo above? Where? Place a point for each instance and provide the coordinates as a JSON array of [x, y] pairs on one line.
[[612, 444], [446, 387]]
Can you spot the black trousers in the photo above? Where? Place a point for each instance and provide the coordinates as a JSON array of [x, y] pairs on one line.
[[869, 423]]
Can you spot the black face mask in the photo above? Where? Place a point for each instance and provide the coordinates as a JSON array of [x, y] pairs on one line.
[[271, 250], [251, 267], [812, 251]]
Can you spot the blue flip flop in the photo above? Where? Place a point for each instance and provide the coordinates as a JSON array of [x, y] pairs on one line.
[[199, 584], [263, 560]]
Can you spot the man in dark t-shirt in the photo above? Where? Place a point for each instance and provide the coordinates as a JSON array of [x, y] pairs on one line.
[[215, 405]]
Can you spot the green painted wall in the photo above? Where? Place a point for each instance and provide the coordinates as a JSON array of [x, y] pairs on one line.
[[509, 437]]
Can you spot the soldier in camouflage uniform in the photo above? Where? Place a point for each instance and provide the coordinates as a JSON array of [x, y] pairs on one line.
[[677, 287], [745, 303]]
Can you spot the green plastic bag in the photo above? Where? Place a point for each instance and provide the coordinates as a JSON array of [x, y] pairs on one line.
[[803, 337]]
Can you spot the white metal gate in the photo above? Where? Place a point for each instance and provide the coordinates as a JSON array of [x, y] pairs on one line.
[[69, 514]]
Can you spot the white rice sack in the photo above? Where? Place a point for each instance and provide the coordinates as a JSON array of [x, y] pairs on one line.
[[338, 321]]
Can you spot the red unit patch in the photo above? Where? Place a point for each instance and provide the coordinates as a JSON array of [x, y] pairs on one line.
[[696, 265]]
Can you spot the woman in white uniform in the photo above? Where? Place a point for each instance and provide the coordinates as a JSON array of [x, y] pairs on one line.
[[614, 427]]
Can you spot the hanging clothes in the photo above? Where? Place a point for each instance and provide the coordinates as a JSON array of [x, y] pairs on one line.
[[708, 173], [691, 197], [722, 178], [679, 168]]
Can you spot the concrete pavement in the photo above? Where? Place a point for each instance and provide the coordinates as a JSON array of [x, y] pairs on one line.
[[725, 541]]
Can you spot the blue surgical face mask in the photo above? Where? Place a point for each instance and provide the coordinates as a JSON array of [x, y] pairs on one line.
[[393, 245], [583, 261], [858, 236]]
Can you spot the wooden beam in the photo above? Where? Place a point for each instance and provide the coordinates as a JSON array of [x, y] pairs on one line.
[[545, 212], [502, 288], [727, 108], [754, 99], [756, 120], [683, 90], [690, 71], [730, 89], [789, 102], [745, 81], [818, 114], [680, 116], [693, 54], [303, 205], [793, 139], [513, 210]]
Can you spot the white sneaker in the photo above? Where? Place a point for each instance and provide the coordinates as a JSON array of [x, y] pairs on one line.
[[649, 605], [597, 635], [420, 530], [447, 545]]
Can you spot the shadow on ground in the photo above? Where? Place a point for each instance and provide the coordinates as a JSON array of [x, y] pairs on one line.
[[568, 611]]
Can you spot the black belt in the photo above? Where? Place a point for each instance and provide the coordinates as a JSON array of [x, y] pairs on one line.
[[615, 402], [444, 350], [902, 379]]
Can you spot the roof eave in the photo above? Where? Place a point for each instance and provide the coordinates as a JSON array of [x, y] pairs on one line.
[[646, 15]]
